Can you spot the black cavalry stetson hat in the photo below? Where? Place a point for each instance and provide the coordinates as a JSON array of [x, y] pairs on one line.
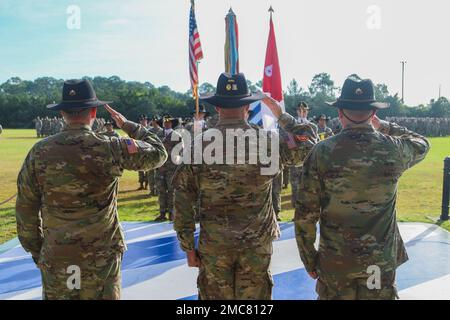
[[77, 94], [358, 94], [167, 118], [232, 92], [201, 108], [303, 105]]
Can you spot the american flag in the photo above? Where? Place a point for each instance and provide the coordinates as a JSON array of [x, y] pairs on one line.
[[131, 146], [195, 49]]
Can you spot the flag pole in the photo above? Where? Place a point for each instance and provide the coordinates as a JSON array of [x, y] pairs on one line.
[[196, 99], [196, 87]]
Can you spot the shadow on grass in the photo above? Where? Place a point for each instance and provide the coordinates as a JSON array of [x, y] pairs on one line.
[[6, 209], [139, 205], [128, 191], [7, 224], [144, 197]]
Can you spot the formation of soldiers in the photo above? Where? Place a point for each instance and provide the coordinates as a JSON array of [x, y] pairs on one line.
[[346, 183], [159, 181], [47, 126], [429, 127], [99, 125]]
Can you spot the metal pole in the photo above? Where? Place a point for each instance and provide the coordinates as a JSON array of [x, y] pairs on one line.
[[403, 80], [196, 101], [446, 190]]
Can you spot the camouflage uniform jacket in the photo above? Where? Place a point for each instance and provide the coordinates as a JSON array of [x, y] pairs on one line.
[[324, 132], [158, 131], [349, 185], [170, 141], [235, 206], [66, 205]]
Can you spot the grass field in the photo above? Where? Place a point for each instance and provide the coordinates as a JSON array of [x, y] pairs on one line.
[[420, 189]]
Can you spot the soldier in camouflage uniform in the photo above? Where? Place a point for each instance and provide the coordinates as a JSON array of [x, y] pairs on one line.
[[110, 130], [46, 127], [237, 220], [335, 125], [165, 173], [95, 125], [212, 121], [349, 186], [286, 177], [66, 207], [38, 127], [277, 182], [430, 127], [198, 123], [295, 173], [152, 175], [143, 175], [323, 130]]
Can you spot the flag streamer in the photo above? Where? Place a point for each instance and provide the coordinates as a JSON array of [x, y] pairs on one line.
[[231, 43]]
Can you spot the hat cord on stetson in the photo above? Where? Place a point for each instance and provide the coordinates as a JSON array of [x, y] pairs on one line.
[[234, 97], [84, 100], [353, 100], [358, 122]]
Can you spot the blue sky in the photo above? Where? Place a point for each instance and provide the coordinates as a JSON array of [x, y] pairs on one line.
[[146, 40]]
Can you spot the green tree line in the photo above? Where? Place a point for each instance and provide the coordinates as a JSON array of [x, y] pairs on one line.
[[21, 101]]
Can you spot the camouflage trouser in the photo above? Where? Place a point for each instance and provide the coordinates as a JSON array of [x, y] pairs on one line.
[[295, 175], [237, 275], [100, 279], [165, 191], [286, 176], [277, 185], [152, 181], [142, 176], [358, 290]]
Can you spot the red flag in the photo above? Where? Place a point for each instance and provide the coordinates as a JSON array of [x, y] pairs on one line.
[[272, 74]]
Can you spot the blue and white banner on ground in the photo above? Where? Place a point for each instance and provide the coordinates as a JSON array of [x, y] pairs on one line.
[[154, 267]]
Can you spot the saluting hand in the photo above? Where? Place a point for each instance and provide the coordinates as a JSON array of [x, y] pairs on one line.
[[117, 117], [273, 105]]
